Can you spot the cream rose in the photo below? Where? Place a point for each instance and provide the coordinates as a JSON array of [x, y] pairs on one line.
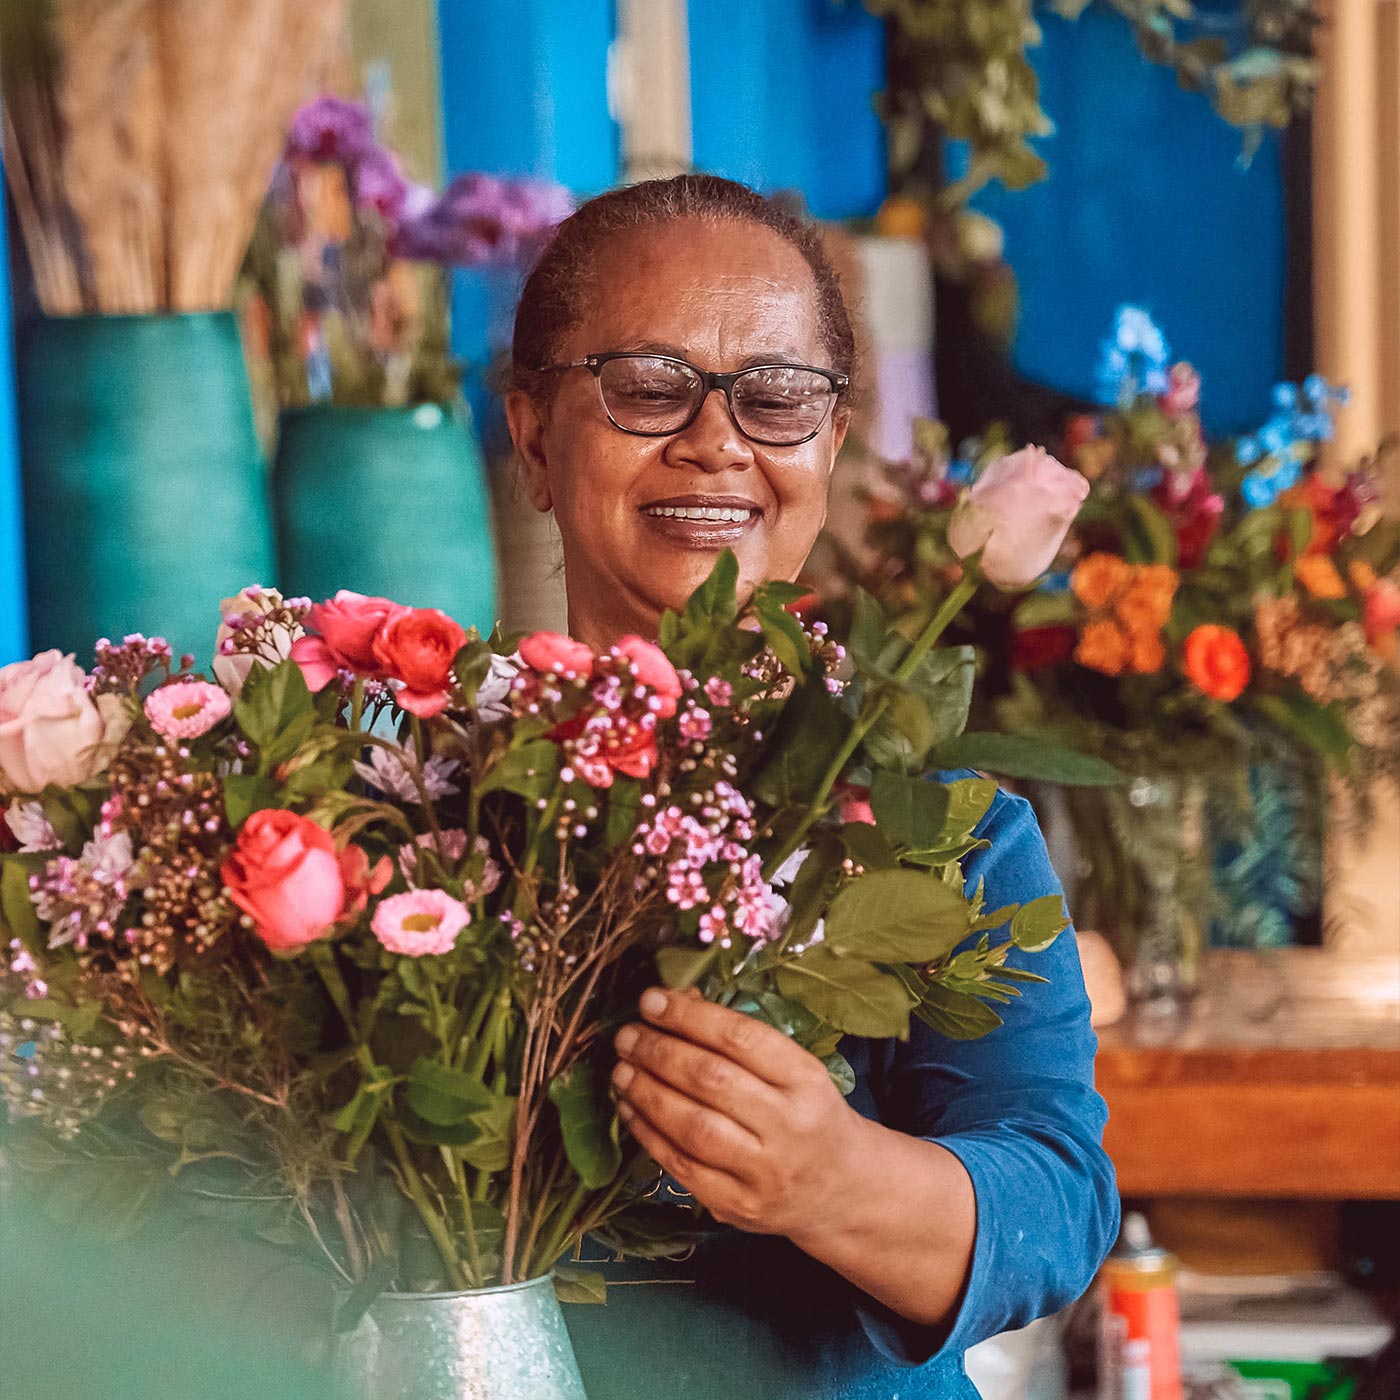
[[51, 730]]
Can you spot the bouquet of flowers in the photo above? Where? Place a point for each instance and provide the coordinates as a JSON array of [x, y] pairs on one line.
[[1215, 603], [347, 270], [341, 935]]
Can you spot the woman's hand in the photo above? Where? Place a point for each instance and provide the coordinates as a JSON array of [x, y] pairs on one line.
[[752, 1125], [742, 1117]]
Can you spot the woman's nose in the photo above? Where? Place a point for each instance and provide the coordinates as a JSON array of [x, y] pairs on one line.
[[712, 441]]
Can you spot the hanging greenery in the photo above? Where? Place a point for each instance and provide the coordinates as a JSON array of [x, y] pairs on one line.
[[959, 69]]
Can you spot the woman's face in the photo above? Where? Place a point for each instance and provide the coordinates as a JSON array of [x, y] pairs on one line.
[[723, 296]]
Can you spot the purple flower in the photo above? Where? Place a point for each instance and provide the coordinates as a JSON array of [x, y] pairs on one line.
[[331, 129], [379, 183], [480, 219]]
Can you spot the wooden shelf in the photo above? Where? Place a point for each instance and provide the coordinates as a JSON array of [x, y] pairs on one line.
[[1282, 1080]]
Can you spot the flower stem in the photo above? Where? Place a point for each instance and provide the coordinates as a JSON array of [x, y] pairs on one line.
[[553, 1246], [871, 712]]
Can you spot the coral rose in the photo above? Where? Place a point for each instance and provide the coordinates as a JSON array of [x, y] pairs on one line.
[[553, 651], [654, 670], [345, 627], [1099, 578], [1216, 662], [51, 729], [418, 646], [1103, 646], [285, 873], [1017, 513]]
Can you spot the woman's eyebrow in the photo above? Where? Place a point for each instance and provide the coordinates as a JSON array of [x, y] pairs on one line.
[[677, 352]]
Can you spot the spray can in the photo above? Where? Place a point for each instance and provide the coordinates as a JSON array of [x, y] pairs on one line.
[[1140, 1337]]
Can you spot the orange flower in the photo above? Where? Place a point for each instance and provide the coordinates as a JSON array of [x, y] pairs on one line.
[[1148, 655], [1318, 574], [1363, 576], [1146, 606], [1103, 646], [1099, 578], [1217, 662]]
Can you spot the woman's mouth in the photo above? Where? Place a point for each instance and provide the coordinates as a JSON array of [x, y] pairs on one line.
[[702, 523]]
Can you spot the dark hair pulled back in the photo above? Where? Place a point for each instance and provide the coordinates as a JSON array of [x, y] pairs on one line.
[[554, 292]]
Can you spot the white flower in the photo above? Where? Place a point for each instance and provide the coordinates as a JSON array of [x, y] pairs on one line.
[[787, 871], [389, 772], [493, 696], [249, 606], [31, 827]]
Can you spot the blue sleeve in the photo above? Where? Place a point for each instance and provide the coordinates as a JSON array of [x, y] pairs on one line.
[[1020, 1111]]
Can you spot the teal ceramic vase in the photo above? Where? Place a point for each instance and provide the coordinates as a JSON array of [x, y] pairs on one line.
[[390, 502], [144, 489]]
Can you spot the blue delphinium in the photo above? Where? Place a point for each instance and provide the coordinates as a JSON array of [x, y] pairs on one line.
[[1134, 361], [1283, 446]]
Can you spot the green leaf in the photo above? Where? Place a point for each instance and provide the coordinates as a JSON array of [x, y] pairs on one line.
[[897, 916], [869, 628], [353, 1305], [784, 635], [1020, 756], [1321, 728], [867, 845], [1148, 537], [624, 802], [471, 666], [853, 996], [529, 770], [969, 800], [909, 811], [1035, 926], [489, 1150], [807, 738], [1044, 610], [579, 1286], [444, 1096], [957, 1015], [715, 602], [276, 712], [681, 966], [111, 1199], [246, 793], [842, 1075], [358, 1117], [17, 912], [65, 812], [588, 1123]]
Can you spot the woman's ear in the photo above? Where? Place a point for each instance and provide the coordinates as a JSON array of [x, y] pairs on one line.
[[527, 432], [841, 422]]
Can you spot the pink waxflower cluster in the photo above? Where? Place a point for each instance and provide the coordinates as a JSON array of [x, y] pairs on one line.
[[709, 848]]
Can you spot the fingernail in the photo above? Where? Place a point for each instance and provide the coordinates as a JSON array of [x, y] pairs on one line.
[[626, 1112], [625, 1040], [654, 1002], [622, 1076]]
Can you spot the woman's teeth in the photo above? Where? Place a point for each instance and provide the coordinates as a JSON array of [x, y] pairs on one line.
[[713, 515]]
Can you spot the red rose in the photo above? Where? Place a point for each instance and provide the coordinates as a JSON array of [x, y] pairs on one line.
[[418, 646]]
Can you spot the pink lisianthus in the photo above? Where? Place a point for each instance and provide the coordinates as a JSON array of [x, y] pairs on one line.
[[419, 923], [285, 873], [345, 629], [418, 646], [553, 651], [187, 709], [1017, 514], [1183, 393], [654, 670]]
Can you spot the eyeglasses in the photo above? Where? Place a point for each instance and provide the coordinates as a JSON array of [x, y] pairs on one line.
[[656, 395]]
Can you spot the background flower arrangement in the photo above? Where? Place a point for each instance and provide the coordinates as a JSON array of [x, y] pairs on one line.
[[339, 938], [347, 271], [1215, 606]]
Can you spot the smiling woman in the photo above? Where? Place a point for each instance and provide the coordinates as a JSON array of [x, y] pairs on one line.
[[681, 371]]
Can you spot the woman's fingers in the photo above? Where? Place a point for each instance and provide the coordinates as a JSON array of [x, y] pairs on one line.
[[713, 1187], [704, 1134], [700, 1074], [760, 1049]]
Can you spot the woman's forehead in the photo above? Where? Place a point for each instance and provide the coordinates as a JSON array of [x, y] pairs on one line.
[[703, 288]]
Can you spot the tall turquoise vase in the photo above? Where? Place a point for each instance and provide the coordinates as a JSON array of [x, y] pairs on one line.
[[390, 502], [145, 497]]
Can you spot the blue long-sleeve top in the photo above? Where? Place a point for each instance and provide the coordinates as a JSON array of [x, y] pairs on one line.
[[750, 1316]]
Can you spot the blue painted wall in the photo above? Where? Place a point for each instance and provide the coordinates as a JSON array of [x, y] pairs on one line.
[[12, 611], [1147, 202], [782, 97]]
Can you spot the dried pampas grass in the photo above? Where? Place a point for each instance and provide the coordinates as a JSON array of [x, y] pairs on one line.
[[140, 136]]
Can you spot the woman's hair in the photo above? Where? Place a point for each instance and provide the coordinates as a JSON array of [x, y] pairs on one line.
[[554, 292]]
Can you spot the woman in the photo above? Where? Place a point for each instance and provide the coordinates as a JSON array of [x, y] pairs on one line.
[[681, 367]]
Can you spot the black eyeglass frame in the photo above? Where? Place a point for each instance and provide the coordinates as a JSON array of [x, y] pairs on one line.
[[710, 382]]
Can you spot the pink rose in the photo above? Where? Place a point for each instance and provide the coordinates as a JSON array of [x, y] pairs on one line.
[[418, 646], [552, 651], [654, 671], [345, 628], [1017, 513], [287, 875], [51, 730]]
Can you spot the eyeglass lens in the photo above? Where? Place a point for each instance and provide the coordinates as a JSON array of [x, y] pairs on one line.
[[651, 395]]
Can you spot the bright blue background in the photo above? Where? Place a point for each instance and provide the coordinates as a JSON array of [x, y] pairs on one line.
[[12, 628]]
